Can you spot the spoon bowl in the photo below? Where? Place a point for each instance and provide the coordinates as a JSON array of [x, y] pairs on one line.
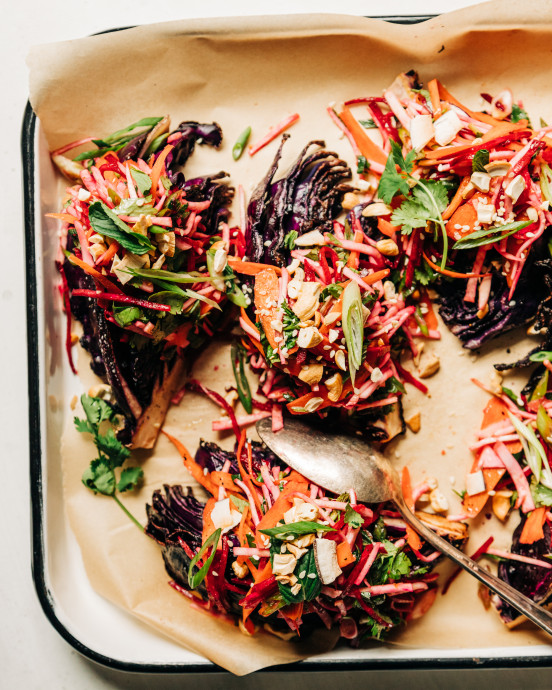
[[339, 463]]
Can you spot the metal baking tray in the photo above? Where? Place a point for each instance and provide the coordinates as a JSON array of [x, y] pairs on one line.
[[90, 624]]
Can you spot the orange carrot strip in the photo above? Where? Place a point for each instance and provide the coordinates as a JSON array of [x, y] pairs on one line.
[[532, 529], [95, 274], [457, 199], [429, 316], [433, 88], [385, 227], [273, 132], [267, 292], [451, 274], [208, 525], [108, 254], [412, 537], [245, 476], [344, 554], [369, 150], [225, 480], [67, 217], [445, 95], [293, 611], [374, 277], [249, 268], [158, 167], [191, 465], [495, 411]]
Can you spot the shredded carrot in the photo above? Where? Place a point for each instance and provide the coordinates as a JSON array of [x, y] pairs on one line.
[[67, 217], [95, 274], [412, 537], [293, 611], [273, 132], [369, 150], [433, 88], [457, 199], [267, 291], [108, 254], [158, 168], [208, 525], [191, 465], [445, 95], [452, 274], [532, 529], [250, 268], [247, 479], [386, 228]]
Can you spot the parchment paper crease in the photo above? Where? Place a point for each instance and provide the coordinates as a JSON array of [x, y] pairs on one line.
[[255, 71]]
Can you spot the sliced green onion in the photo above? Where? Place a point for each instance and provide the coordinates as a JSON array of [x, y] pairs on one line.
[[237, 356], [421, 321], [202, 298], [241, 143], [195, 579], [353, 326], [534, 452], [540, 388], [168, 276], [541, 356]]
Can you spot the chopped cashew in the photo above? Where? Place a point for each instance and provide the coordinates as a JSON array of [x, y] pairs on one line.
[[311, 374], [334, 386], [429, 365], [414, 422]]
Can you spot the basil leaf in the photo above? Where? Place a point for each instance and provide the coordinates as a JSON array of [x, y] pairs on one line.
[[312, 585], [296, 529], [240, 504], [126, 316], [480, 160], [490, 235], [105, 222], [116, 136], [195, 579]]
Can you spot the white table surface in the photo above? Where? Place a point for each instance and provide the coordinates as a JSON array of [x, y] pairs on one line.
[[32, 655]]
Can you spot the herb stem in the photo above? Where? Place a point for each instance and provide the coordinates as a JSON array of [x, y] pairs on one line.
[[128, 513], [438, 219]]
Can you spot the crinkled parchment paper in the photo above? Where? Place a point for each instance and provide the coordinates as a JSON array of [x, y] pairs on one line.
[[255, 71]]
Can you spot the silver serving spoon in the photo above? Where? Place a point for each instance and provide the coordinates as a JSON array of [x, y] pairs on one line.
[[338, 463]]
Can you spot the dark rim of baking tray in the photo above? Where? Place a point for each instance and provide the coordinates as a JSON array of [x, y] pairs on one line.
[[36, 476]]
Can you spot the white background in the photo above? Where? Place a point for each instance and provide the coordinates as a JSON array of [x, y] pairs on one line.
[[32, 655]]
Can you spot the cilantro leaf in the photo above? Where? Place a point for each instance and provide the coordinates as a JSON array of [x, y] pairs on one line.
[[100, 475], [410, 215], [400, 566], [353, 518], [289, 239], [130, 478], [392, 183], [518, 113], [362, 165], [431, 194], [541, 495]]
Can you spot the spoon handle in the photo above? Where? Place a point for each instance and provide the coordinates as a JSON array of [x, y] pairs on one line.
[[523, 604]]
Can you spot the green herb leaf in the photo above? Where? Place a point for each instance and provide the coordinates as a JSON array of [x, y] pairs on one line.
[[112, 448], [128, 315], [334, 290], [289, 239], [353, 518], [237, 357], [393, 182], [542, 495], [195, 579], [148, 122], [518, 113], [240, 504], [99, 477], [353, 326], [296, 529], [130, 479], [400, 566], [105, 222], [142, 180], [512, 395], [368, 124], [480, 160], [362, 165], [490, 235]]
